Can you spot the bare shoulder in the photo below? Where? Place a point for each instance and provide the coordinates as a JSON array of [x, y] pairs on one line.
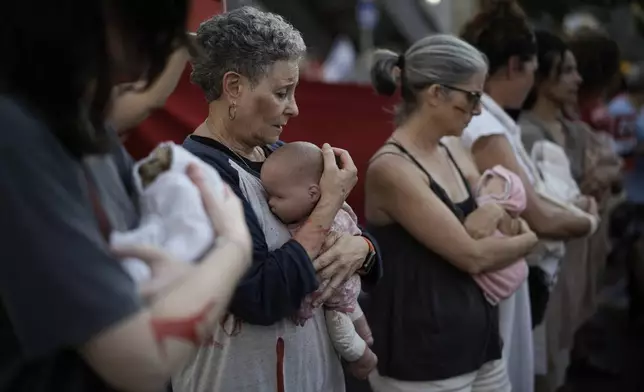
[[455, 146], [463, 158], [386, 165], [388, 176]]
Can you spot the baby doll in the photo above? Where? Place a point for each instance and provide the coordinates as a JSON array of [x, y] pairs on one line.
[[501, 186], [172, 213], [291, 177]]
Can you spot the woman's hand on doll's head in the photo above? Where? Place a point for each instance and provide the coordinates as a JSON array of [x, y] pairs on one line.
[[340, 174]]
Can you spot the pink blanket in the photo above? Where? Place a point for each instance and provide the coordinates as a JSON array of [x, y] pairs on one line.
[[501, 284]]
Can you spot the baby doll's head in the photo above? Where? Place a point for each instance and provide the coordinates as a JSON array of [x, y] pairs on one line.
[[158, 162], [291, 177], [504, 187]]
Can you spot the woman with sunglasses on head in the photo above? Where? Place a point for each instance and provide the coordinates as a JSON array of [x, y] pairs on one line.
[[71, 318], [433, 328], [502, 33]]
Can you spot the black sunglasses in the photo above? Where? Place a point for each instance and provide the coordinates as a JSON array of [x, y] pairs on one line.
[[473, 97]]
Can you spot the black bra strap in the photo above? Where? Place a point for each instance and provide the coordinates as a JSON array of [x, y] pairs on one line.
[[413, 159], [434, 186], [429, 177]]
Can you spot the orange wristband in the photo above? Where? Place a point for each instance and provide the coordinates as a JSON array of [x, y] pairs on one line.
[[369, 260]]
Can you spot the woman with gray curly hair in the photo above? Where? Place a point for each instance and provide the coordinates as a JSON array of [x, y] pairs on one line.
[[248, 70]]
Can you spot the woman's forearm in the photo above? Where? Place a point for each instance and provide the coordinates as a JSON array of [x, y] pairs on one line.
[[198, 302], [500, 252], [275, 286], [555, 223], [547, 220], [163, 338], [208, 288], [313, 233], [551, 221]]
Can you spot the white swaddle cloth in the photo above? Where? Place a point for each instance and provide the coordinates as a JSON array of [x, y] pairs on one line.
[[554, 165], [555, 185], [173, 217], [558, 185]]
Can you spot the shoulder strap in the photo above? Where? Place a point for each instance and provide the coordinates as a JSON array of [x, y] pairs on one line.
[[387, 153], [410, 156], [434, 186]]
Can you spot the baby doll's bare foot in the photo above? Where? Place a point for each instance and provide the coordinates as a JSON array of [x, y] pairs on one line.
[[361, 368], [363, 330]]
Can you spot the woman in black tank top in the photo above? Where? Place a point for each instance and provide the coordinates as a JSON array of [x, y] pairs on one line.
[[433, 329]]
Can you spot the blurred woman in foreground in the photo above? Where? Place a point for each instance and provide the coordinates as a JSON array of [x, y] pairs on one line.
[[71, 318]]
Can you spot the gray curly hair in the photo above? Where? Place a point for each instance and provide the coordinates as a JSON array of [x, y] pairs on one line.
[[245, 40]]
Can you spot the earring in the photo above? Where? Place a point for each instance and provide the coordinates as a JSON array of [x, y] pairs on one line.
[[232, 111]]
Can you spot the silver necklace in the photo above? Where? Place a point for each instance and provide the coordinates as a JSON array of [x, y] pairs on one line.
[[212, 133]]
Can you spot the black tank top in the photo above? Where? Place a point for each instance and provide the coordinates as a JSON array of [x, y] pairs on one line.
[[430, 320]]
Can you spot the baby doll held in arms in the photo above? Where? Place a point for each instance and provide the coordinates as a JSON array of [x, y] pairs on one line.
[[501, 186], [172, 214], [291, 177]]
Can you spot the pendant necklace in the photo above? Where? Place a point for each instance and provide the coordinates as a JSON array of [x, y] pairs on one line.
[[211, 129]]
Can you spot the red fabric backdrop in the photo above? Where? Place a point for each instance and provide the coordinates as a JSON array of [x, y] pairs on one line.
[[346, 116], [203, 9]]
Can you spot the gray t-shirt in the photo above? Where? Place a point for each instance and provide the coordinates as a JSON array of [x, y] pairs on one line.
[[59, 285]]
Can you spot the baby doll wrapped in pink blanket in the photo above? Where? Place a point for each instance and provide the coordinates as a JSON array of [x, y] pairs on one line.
[[501, 186]]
